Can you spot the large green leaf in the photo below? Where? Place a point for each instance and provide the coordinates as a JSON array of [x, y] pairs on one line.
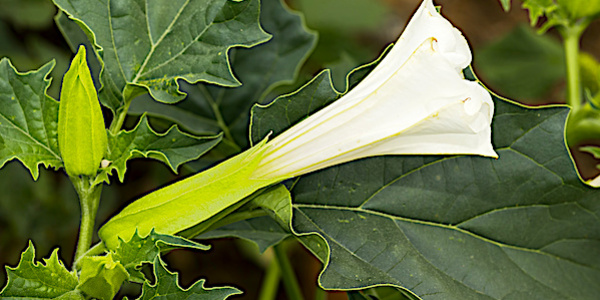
[[172, 148], [210, 108], [35, 280], [148, 46], [28, 118], [460, 227]]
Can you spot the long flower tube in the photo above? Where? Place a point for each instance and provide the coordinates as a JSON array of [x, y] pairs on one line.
[[416, 101]]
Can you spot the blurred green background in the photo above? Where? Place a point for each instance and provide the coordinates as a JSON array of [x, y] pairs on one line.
[[509, 56]]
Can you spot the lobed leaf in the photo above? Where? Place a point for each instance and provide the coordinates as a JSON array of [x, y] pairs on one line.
[[210, 108], [138, 250], [167, 287], [35, 280], [28, 118], [173, 148], [148, 46]]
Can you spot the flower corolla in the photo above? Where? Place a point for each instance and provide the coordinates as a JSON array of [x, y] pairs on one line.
[[416, 101]]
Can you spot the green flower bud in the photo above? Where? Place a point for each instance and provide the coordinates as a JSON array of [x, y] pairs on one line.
[[82, 136]]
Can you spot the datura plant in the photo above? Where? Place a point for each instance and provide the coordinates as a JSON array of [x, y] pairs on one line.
[[416, 177], [393, 110]]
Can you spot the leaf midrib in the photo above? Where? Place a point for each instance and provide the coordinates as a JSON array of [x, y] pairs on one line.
[[394, 218], [439, 225]]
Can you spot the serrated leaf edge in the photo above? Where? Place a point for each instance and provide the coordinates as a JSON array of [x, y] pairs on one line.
[[50, 66], [100, 49]]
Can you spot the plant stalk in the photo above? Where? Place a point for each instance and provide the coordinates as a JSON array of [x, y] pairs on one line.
[[270, 284], [289, 278], [89, 198], [571, 36], [117, 123]]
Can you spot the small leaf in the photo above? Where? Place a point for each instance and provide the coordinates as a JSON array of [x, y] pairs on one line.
[[81, 132], [173, 148], [167, 287], [28, 118], [138, 250], [593, 150], [34, 280], [148, 46], [101, 277], [505, 4]]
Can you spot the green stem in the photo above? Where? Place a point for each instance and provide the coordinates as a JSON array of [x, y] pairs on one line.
[[320, 294], [270, 284], [571, 36], [289, 278], [89, 198], [119, 119]]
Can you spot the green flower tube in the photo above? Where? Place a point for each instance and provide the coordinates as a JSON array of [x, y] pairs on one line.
[[393, 111]]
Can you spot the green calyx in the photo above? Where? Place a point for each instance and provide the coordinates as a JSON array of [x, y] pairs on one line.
[[82, 138], [191, 201]]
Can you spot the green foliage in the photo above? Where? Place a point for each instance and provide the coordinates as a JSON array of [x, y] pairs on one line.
[[210, 108], [167, 287], [147, 47], [101, 277], [35, 280], [173, 148], [522, 65], [81, 132], [445, 227], [578, 9], [563, 13], [28, 118], [139, 250]]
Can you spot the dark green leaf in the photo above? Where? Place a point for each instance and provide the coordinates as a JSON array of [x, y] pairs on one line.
[[167, 287], [210, 108], [148, 46], [172, 148], [138, 250], [28, 118], [35, 280], [519, 227]]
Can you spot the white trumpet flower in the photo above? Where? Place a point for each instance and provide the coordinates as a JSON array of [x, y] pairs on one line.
[[416, 101]]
